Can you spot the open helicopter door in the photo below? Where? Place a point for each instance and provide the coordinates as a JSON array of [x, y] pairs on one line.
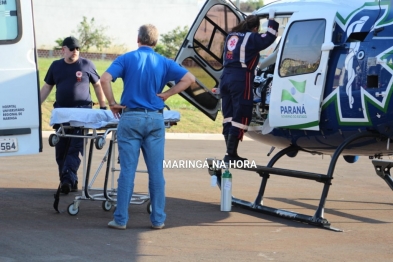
[[20, 112], [300, 70], [202, 53]]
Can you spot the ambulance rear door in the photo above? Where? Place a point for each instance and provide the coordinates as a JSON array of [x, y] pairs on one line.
[[20, 112]]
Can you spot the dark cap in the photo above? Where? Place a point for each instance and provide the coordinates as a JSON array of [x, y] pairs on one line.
[[71, 42]]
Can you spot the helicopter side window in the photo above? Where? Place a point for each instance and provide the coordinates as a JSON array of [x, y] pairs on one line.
[[302, 52]]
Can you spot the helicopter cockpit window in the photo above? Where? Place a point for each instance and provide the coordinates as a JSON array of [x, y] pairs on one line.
[[302, 51], [10, 24]]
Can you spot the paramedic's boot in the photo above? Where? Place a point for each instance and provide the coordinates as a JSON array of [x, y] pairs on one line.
[[66, 181], [231, 155], [226, 143], [65, 187], [75, 187]]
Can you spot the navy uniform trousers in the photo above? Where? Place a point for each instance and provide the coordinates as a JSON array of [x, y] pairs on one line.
[[237, 101], [67, 156], [68, 150]]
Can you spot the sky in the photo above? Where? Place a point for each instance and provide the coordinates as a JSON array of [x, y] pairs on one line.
[[121, 28], [265, 1]]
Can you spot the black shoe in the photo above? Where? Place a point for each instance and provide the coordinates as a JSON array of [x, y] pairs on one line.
[[65, 188], [75, 187], [233, 158], [231, 155]]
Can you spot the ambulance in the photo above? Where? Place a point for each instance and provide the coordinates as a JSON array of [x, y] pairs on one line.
[[20, 110]]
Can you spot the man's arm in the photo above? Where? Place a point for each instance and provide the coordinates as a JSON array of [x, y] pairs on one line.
[[99, 93], [105, 80], [187, 80], [45, 91]]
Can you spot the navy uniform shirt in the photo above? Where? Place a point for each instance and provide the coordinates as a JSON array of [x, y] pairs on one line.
[[242, 48], [72, 81]]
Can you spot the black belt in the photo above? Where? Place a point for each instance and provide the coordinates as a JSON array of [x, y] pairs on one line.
[[142, 110]]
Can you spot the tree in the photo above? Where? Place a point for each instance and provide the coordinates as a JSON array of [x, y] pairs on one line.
[[90, 35], [251, 5], [171, 42]]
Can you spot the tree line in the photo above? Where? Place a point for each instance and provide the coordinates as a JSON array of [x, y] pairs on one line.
[[91, 35]]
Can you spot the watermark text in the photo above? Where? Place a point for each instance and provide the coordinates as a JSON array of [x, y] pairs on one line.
[[216, 164]]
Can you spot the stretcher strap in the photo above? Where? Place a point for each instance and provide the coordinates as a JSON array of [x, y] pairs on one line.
[[57, 199]]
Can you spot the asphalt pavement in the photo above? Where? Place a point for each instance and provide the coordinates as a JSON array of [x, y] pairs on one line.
[[359, 203]]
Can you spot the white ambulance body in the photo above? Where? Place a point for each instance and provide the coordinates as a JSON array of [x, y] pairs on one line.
[[20, 111]]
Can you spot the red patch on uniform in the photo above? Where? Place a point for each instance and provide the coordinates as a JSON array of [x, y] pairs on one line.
[[79, 76]]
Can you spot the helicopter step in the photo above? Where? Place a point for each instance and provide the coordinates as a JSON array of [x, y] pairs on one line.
[[382, 168]]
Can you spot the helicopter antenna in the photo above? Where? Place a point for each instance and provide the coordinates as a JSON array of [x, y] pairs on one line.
[[376, 31]]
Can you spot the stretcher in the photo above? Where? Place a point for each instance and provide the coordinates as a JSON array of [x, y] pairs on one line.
[[97, 126]]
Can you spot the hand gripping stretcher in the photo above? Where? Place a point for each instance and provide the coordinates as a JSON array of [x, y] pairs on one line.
[[96, 125]]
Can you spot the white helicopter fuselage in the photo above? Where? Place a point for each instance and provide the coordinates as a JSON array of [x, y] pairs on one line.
[[330, 69]]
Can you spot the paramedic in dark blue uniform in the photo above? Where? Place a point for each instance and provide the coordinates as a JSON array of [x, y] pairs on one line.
[[141, 127], [241, 56], [72, 76]]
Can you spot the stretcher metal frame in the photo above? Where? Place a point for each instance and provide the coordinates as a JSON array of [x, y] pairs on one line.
[[107, 194]]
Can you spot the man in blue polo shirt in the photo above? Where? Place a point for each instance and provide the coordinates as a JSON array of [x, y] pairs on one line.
[[141, 126]]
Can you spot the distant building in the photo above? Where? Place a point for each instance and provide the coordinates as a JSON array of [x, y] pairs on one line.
[[58, 19]]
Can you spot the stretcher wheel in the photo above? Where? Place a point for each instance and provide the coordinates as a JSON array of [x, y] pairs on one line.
[[100, 142], [148, 208], [53, 139], [106, 205], [71, 210]]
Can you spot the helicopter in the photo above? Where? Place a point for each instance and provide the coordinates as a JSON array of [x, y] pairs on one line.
[[323, 87]]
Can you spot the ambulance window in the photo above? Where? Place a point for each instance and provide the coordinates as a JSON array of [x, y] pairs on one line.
[[210, 36], [302, 52], [10, 27]]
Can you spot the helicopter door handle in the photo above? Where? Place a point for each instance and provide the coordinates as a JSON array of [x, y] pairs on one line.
[[316, 78]]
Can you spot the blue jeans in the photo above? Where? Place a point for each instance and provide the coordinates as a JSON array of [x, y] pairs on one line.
[[146, 131]]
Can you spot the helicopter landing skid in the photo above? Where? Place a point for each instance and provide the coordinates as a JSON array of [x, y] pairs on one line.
[[265, 171], [382, 168]]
